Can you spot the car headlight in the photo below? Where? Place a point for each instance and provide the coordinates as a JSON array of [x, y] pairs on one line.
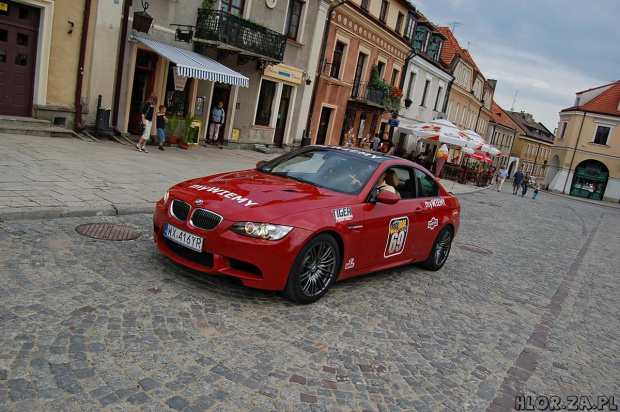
[[166, 195], [258, 230]]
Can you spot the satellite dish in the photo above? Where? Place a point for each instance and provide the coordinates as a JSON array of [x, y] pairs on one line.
[[441, 115]]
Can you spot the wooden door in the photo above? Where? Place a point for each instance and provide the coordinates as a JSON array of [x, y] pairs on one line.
[[19, 27], [285, 100]]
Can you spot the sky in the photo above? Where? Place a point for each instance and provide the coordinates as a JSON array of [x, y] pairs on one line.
[[545, 51]]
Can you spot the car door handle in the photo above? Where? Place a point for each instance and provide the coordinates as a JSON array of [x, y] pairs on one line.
[[418, 211], [356, 227]]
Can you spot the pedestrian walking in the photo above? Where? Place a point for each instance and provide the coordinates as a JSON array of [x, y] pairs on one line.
[[525, 183], [375, 142], [217, 120], [501, 177], [590, 190], [146, 112], [535, 192], [161, 126], [516, 181]]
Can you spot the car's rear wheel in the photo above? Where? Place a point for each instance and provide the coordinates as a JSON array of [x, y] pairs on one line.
[[440, 250], [314, 270]]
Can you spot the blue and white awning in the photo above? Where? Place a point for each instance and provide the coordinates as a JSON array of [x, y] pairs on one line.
[[191, 64]]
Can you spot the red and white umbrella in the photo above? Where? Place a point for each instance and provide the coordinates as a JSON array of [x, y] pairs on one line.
[[441, 131], [481, 157], [481, 145]]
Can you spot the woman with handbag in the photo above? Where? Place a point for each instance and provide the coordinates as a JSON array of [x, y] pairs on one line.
[[146, 112]]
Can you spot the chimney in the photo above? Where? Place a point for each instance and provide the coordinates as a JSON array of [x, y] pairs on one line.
[[529, 118]]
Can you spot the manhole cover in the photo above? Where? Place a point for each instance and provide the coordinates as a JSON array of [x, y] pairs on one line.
[[106, 231], [473, 248]]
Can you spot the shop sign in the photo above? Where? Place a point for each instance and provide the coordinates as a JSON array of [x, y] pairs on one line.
[[179, 81], [4, 6], [283, 72]]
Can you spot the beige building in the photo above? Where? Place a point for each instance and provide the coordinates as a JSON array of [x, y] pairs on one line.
[[471, 95], [49, 79], [501, 134], [587, 148], [532, 146]]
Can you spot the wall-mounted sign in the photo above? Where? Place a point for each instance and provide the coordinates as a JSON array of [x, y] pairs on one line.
[[4, 6], [179, 81], [235, 134], [283, 72]]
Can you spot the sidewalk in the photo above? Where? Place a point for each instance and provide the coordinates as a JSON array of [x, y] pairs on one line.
[[45, 177]]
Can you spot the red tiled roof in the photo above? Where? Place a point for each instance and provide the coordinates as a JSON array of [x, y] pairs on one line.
[[605, 103], [451, 47], [498, 116]]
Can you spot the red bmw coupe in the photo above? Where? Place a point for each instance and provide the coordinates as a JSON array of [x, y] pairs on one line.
[[308, 218]]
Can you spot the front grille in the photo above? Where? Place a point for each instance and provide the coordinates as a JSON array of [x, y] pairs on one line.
[[205, 219], [200, 258], [180, 209]]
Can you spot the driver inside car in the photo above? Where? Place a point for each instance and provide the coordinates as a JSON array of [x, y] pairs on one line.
[[388, 181]]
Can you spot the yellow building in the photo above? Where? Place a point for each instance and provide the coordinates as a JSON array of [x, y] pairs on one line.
[[532, 146], [587, 148]]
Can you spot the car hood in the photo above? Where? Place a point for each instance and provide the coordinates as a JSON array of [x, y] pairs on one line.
[[254, 195]]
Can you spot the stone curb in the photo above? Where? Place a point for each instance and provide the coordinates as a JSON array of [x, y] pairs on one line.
[[36, 213]]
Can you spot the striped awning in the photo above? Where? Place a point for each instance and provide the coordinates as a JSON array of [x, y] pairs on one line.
[[191, 64]]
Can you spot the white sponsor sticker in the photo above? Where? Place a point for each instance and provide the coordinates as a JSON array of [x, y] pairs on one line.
[[350, 264], [397, 236], [433, 223], [435, 203], [343, 214], [225, 194]]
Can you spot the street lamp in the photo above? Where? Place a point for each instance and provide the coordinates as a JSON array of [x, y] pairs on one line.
[[142, 20]]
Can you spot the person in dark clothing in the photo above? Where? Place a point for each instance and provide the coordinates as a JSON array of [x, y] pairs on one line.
[[147, 112], [161, 126], [386, 146]]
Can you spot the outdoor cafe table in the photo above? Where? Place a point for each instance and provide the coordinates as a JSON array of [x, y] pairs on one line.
[[451, 172]]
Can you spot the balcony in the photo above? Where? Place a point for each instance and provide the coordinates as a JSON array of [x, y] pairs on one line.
[[231, 34], [366, 93]]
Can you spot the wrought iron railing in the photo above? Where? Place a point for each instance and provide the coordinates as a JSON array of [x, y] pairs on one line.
[[219, 26], [363, 91]]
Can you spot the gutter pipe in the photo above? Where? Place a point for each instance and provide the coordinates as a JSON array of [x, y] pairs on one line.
[[80, 76], [119, 66]]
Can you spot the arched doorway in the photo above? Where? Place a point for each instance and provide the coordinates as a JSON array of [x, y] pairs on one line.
[[586, 173]]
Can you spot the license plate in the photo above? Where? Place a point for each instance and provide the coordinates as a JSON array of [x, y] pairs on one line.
[[183, 238]]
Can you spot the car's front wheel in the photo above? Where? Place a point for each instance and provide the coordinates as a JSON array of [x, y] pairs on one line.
[[314, 270], [440, 250]]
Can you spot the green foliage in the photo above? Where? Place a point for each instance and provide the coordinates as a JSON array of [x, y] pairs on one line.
[[188, 130], [208, 4], [172, 124], [391, 95]]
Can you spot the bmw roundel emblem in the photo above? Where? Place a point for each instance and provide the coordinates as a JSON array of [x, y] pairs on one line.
[[198, 202]]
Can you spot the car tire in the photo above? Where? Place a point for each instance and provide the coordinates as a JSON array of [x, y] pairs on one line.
[[440, 250], [314, 270]]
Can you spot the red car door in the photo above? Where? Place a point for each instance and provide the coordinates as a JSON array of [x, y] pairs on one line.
[[387, 234]]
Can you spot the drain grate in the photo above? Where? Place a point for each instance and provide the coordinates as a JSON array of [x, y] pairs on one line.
[[472, 248], [106, 231]]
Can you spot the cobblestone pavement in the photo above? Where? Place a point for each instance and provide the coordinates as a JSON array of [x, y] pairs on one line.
[[527, 303]]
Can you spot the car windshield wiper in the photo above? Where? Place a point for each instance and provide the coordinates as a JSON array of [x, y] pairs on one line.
[[299, 179]]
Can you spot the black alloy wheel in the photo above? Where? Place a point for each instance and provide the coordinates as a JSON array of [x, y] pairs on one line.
[[440, 250], [314, 270]]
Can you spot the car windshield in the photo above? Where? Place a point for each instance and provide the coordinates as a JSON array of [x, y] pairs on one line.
[[334, 170]]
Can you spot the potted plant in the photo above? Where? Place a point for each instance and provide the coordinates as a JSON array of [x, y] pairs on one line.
[[188, 132], [171, 127]]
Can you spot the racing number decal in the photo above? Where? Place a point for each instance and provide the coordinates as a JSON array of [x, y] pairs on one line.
[[397, 236]]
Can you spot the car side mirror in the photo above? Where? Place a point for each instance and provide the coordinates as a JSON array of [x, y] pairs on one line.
[[260, 163], [387, 197]]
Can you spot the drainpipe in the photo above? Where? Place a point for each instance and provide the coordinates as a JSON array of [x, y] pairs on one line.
[[306, 140], [411, 55], [445, 100], [574, 152], [80, 77], [119, 66]]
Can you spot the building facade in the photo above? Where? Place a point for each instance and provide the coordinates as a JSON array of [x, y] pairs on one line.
[[501, 134], [587, 148], [532, 146], [470, 94], [360, 36]]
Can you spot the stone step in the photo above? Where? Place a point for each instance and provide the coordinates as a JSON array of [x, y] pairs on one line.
[[37, 131], [24, 122]]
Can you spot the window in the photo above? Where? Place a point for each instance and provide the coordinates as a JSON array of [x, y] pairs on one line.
[[426, 86], [337, 60], [233, 6], [411, 85], [439, 49], [602, 135], [265, 102], [410, 27], [437, 99], [394, 77], [427, 187], [427, 39], [563, 130], [456, 112], [293, 18], [399, 22], [380, 67], [365, 4], [449, 111], [383, 12]]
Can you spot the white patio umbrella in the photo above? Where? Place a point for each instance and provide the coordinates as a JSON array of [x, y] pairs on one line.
[[481, 144], [444, 132]]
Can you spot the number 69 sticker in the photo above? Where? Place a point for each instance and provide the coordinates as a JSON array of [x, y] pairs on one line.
[[397, 236]]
